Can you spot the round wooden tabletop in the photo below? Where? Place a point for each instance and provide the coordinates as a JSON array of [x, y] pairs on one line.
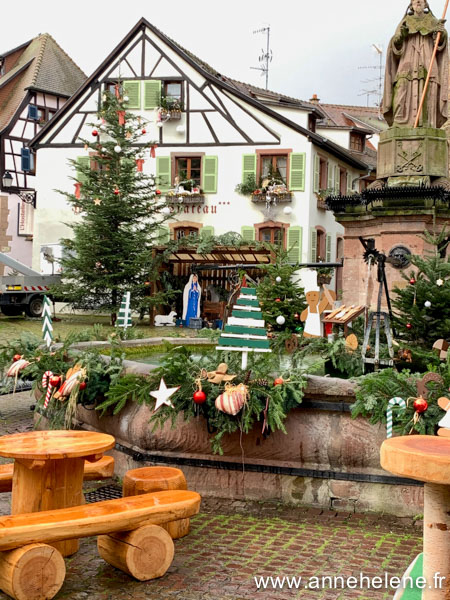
[[422, 457], [46, 445]]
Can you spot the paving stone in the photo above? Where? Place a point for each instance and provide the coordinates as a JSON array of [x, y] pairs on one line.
[[231, 543]]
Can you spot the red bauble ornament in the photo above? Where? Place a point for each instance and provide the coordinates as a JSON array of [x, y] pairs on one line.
[[296, 316], [95, 133], [55, 380], [117, 191], [408, 326], [16, 357], [277, 299], [199, 397], [158, 192], [144, 131], [278, 381], [420, 405], [412, 281], [83, 385]]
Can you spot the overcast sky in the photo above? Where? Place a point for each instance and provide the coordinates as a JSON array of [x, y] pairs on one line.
[[319, 46]]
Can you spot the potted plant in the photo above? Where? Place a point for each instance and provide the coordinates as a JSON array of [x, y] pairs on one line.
[[324, 274]]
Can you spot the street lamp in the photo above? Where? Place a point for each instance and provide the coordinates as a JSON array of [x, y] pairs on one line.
[[7, 179], [27, 196]]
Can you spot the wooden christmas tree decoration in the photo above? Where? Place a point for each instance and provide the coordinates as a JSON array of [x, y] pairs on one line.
[[47, 327], [124, 318], [245, 331]]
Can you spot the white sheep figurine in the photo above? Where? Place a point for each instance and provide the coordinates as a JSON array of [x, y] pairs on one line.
[[161, 320]]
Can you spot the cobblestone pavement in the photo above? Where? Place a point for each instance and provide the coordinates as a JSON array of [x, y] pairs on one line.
[[231, 543]]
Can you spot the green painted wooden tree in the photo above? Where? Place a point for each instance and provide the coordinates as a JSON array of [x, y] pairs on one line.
[[245, 331]]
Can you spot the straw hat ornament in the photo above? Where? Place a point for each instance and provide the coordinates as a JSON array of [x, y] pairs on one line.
[[220, 375]]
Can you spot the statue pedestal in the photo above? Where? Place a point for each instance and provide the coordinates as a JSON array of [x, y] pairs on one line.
[[411, 155]]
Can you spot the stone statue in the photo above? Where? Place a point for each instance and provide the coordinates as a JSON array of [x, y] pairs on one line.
[[408, 60]]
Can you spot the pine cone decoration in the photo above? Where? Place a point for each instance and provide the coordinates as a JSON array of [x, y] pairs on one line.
[[260, 382]]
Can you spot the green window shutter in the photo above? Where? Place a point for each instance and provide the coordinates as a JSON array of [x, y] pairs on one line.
[[316, 173], [248, 167], [337, 176], [152, 94], [207, 231], [163, 173], [330, 177], [163, 236], [349, 183], [248, 233], [294, 244], [132, 89], [210, 174], [329, 243], [297, 172], [313, 245], [82, 161]]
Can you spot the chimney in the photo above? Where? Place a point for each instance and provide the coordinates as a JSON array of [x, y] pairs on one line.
[[314, 99]]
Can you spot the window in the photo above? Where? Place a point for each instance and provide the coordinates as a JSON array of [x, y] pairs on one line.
[[321, 245], [357, 141], [272, 235], [312, 123], [173, 90], [45, 114], [182, 232], [189, 168], [273, 166]]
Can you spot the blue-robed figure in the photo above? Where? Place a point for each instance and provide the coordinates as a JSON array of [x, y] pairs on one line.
[[191, 299]]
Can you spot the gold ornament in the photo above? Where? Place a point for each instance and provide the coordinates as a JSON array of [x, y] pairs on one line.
[[97, 201]]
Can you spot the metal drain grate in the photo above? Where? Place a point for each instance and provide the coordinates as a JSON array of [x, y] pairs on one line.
[[108, 492]]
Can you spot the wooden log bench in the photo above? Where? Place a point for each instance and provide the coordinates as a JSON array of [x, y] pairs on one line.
[[156, 479], [130, 538], [102, 469]]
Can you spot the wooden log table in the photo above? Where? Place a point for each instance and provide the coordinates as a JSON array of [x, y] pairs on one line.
[[49, 469], [427, 458]]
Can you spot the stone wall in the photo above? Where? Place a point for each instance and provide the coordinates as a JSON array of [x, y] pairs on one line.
[[388, 231], [326, 458]]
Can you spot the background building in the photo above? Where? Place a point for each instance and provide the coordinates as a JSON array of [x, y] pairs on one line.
[[36, 79]]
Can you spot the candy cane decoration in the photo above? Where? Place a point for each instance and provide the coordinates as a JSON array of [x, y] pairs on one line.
[[46, 384], [391, 403]]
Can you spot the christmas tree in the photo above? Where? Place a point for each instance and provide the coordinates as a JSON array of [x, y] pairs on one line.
[[280, 296], [423, 306], [245, 331], [120, 209]]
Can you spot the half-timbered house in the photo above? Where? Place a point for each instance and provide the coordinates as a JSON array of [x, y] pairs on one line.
[[36, 79], [222, 132]]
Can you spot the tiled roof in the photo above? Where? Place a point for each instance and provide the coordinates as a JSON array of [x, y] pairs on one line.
[[246, 88], [42, 65], [341, 115]]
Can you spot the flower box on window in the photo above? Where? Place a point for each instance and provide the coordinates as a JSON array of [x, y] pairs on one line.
[[271, 196]]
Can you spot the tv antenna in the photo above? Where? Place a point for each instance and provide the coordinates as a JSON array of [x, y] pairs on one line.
[[266, 56], [378, 81]]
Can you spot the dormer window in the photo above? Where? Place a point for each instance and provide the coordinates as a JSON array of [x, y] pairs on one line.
[[312, 120], [357, 141]]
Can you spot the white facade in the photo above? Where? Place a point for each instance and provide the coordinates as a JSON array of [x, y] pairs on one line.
[[218, 122]]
